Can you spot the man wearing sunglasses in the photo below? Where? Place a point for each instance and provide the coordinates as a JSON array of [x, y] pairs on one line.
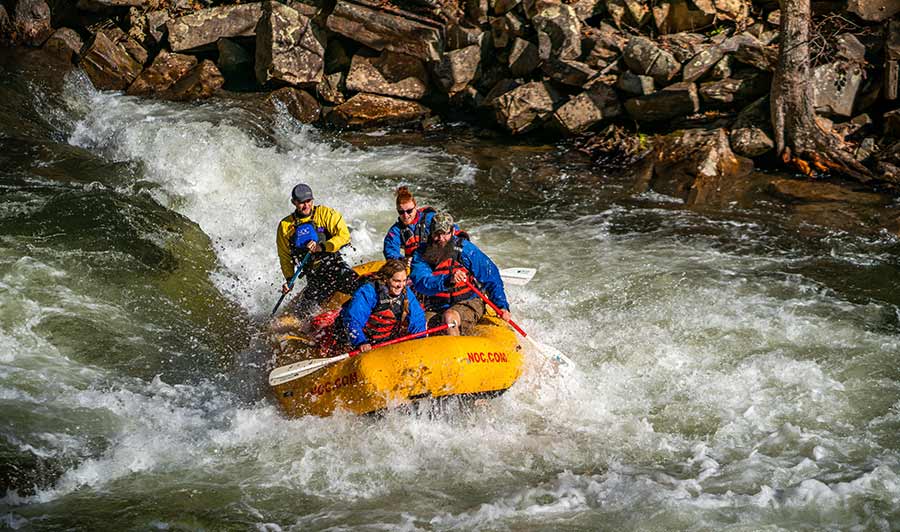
[[320, 232], [410, 231]]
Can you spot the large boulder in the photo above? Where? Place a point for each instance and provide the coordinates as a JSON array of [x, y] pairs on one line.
[[166, 69], [108, 65], [235, 62], [523, 58], [675, 101], [525, 107], [389, 74], [198, 83], [381, 30], [203, 28], [835, 86], [457, 69], [701, 63], [587, 109], [31, 20], [644, 57], [751, 51], [373, 110], [573, 73], [559, 31], [698, 166], [738, 90], [751, 133], [634, 84], [65, 43], [289, 47], [331, 88]]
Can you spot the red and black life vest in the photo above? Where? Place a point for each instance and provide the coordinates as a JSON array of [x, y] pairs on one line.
[[388, 316], [459, 291], [411, 238]]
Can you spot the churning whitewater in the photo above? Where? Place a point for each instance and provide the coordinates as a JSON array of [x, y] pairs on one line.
[[732, 374]]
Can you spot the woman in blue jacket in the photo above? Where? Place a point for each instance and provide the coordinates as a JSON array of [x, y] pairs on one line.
[[382, 309]]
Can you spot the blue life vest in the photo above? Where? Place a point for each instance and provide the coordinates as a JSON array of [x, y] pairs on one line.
[[305, 233]]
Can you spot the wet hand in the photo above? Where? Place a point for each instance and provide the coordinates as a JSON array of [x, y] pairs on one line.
[[459, 276], [285, 288], [505, 315], [313, 246], [365, 348]]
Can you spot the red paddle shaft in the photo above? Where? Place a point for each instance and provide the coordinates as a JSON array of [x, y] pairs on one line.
[[439, 328], [495, 307]]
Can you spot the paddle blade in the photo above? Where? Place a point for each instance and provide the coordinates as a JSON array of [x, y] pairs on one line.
[[290, 372], [517, 276], [552, 354]]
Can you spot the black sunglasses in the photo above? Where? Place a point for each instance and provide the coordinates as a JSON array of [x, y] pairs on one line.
[[406, 211]]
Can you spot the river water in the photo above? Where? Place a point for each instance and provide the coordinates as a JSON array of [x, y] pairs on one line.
[[735, 371]]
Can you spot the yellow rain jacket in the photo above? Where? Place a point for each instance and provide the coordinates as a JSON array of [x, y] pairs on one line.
[[336, 233]]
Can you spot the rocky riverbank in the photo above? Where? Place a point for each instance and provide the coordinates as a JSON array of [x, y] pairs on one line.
[[682, 86]]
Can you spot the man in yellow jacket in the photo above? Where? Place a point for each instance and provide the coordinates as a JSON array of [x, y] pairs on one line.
[[321, 232]]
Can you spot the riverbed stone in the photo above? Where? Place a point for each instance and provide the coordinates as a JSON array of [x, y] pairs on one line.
[[587, 109], [701, 63], [300, 104], [738, 90], [289, 47], [65, 43], [525, 107], [644, 57], [634, 84], [203, 28], [388, 74], [457, 68], [199, 83], [684, 45], [234, 62], [572, 73], [373, 110], [698, 166], [166, 69], [156, 26], [750, 51], [675, 101], [381, 30], [796, 190], [109, 66]]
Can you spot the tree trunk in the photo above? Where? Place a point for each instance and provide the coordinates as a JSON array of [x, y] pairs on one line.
[[800, 139]]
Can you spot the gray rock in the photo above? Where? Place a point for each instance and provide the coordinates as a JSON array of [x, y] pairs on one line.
[[381, 30], [331, 88], [587, 109], [165, 70], [289, 47], [156, 26], [684, 45], [749, 50], [477, 11], [586, 9], [502, 6], [203, 28], [573, 73], [134, 49], [849, 48], [559, 32], [373, 110], [525, 107], [835, 86], [750, 141], [735, 90], [389, 74], [638, 11], [874, 10], [300, 104], [644, 57], [109, 66], [198, 83], [701, 63], [634, 84], [461, 36], [674, 101], [722, 69], [500, 88], [678, 16], [523, 58], [65, 43], [457, 69]]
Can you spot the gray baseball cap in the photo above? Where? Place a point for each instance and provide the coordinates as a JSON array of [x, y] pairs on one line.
[[302, 192]]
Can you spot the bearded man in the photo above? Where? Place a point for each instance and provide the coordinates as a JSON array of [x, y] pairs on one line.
[[440, 270]]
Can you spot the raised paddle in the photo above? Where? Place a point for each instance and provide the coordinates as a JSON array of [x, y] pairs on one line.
[[293, 280], [290, 372], [547, 351]]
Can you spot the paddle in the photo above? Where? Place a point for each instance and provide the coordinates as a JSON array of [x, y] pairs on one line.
[[290, 372], [293, 280], [547, 351], [517, 276]]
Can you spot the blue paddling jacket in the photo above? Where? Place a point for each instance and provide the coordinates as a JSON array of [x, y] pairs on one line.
[[435, 281], [372, 316]]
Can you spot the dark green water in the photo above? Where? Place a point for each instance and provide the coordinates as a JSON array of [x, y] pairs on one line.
[[736, 370]]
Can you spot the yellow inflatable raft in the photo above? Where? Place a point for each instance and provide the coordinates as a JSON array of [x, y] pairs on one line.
[[486, 363]]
